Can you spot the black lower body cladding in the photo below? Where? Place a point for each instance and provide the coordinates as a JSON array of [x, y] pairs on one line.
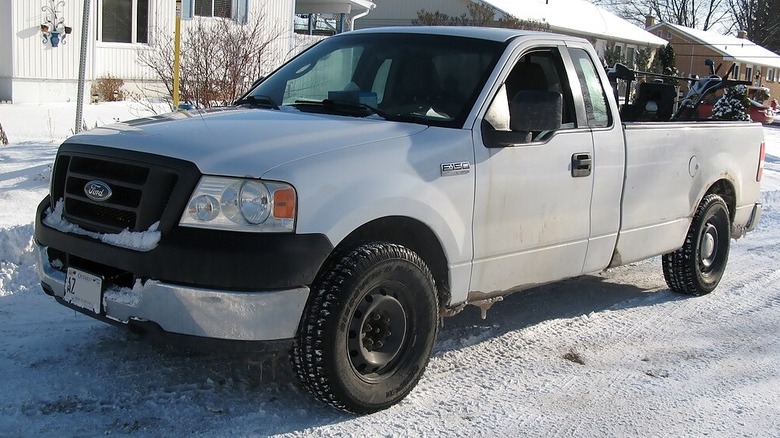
[[197, 257]]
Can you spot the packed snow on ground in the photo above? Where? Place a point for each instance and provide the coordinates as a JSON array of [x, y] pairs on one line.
[[610, 354]]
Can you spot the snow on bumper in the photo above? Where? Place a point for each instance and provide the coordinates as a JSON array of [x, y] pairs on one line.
[[244, 316]]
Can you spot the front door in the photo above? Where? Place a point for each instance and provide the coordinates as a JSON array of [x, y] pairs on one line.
[[533, 197]]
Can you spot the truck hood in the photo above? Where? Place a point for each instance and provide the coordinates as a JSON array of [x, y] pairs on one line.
[[243, 142]]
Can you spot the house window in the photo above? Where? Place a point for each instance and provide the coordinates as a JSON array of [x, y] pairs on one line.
[[735, 74], [124, 21], [749, 74], [630, 57], [214, 8], [770, 75]]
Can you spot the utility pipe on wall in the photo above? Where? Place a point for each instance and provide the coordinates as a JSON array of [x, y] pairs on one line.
[[82, 68]]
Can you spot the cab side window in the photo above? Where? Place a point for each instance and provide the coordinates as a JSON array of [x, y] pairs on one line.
[[593, 94]]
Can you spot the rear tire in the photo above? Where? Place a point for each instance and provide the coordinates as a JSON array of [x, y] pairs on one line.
[[368, 329], [697, 267]]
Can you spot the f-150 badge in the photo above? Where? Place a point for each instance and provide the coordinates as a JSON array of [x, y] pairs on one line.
[[450, 169]]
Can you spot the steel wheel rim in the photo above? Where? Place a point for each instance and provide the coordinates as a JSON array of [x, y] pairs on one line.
[[708, 247], [377, 333]]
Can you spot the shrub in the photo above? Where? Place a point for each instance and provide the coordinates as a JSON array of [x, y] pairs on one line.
[[219, 58]]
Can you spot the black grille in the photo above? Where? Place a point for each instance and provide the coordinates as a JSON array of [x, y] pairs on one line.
[[140, 190], [114, 218]]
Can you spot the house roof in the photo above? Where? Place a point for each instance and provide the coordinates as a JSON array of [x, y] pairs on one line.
[[332, 6], [732, 48], [579, 16]]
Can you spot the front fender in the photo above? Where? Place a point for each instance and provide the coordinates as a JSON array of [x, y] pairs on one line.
[[340, 191]]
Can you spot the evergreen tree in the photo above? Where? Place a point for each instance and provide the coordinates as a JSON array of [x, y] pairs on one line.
[[733, 105]]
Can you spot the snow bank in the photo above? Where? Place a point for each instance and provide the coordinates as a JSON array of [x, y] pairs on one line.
[[54, 122], [17, 260]]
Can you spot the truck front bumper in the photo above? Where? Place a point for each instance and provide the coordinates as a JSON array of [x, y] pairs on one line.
[[218, 314]]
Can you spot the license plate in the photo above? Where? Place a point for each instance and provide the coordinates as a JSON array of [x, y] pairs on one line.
[[83, 290]]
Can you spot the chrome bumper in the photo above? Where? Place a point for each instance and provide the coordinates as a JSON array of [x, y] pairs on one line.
[[217, 314], [755, 216]]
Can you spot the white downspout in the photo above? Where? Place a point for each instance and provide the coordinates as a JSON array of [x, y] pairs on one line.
[[360, 15]]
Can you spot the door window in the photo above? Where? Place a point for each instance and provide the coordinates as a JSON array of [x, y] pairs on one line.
[[537, 70], [593, 94]]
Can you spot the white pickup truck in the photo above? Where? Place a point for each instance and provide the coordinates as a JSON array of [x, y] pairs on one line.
[[381, 180]]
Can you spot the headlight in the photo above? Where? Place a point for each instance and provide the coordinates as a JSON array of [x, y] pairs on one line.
[[241, 205]]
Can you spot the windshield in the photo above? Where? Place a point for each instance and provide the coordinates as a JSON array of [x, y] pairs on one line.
[[428, 79]]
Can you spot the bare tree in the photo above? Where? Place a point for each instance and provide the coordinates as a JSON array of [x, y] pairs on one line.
[[426, 18], [218, 58], [760, 19], [697, 14]]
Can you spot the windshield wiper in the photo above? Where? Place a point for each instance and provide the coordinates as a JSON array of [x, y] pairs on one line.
[[259, 100], [356, 105], [359, 109]]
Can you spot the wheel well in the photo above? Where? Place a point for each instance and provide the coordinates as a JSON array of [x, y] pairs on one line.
[[725, 190], [412, 234]]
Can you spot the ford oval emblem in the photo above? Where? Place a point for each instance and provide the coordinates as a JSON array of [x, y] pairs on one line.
[[97, 191]]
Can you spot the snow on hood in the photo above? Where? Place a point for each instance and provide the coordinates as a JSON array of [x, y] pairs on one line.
[[243, 141]]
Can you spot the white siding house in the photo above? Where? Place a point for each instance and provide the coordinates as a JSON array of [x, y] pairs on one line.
[[32, 70]]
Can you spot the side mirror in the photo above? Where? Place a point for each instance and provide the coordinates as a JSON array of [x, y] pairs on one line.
[[530, 112], [536, 111]]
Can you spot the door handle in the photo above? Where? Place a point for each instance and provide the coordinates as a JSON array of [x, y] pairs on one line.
[[581, 164]]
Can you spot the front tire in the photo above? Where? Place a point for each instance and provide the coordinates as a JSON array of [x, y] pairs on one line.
[[368, 329], [697, 267]]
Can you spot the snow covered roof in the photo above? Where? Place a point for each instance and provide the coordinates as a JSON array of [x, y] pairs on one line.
[[332, 6], [579, 16], [731, 47]]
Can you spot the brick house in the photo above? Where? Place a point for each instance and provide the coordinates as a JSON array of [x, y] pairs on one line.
[[692, 47]]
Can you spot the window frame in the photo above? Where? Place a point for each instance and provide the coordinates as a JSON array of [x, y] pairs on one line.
[[231, 11], [150, 12], [238, 11]]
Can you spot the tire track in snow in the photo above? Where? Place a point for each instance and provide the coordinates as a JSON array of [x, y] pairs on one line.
[[662, 329]]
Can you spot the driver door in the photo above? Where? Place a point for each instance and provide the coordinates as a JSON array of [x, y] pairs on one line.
[[533, 198]]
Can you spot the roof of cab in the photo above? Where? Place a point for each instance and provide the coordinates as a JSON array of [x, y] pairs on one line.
[[485, 33]]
